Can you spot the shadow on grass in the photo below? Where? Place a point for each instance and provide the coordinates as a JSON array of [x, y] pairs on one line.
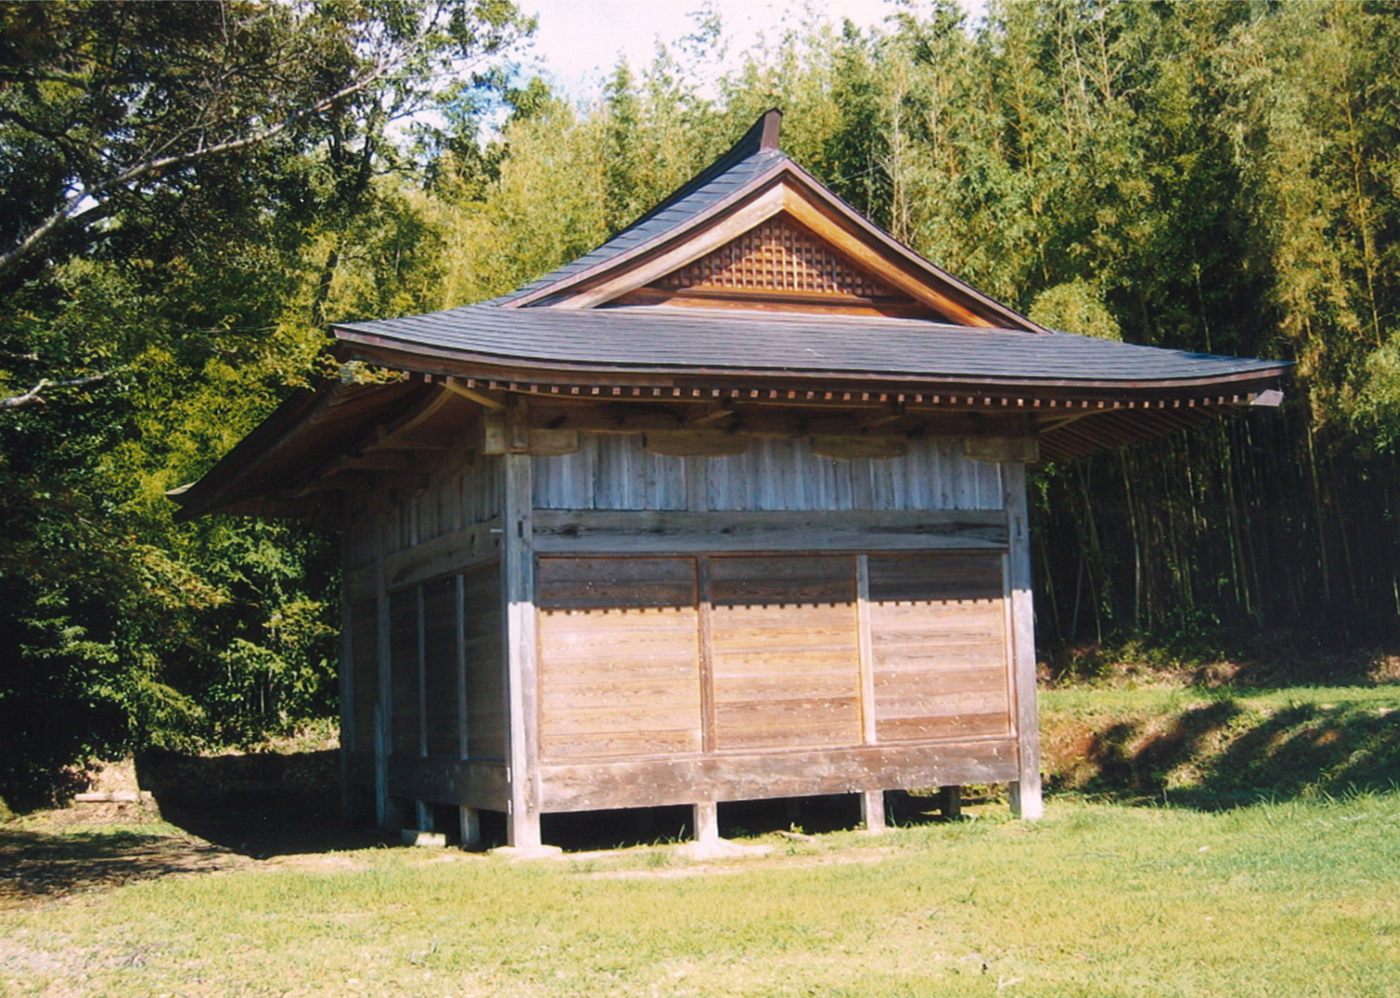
[[1228, 754], [258, 805], [588, 830], [36, 866], [269, 804]]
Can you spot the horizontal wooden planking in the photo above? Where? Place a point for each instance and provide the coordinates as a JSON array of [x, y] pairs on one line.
[[614, 583], [950, 576], [618, 682], [924, 681], [449, 780], [660, 532], [938, 643], [792, 618], [486, 703], [782, 581], [440, 666], [403, 672], [892, 703], [758, 775], [364, 679], [618, 472], [954, 726], [620, 743]]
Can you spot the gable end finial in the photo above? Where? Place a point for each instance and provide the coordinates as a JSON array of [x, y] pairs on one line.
[[772, 122]]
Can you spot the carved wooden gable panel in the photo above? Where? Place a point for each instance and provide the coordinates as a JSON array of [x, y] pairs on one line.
[[777, 261], [778, 256]]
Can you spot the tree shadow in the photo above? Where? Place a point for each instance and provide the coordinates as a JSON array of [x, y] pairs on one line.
[[36, 865], [1222, 755], [258, 805]]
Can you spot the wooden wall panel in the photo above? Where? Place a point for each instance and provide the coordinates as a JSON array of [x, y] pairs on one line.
[[486, 696], [440, 666], [615, 471], [619, 657], [938, 636], [609, 472], [403, 671], [784, 651], [364, 672]]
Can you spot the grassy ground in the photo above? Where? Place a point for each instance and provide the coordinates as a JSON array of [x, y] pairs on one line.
[[1215, 893]]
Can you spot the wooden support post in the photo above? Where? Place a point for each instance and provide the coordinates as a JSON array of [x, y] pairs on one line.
[[518, 579], [460, 612], [423, 815], [872, 811], [706, 663], [347, 684], [867, 651], [950, 802], [471, 827], [706, 822], [1025, 791], [382, 816], [422, 673]]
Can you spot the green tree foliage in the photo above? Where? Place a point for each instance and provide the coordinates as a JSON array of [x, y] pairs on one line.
[[189, 192]]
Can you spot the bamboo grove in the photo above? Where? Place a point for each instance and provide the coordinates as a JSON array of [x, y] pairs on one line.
[[1220, 177]]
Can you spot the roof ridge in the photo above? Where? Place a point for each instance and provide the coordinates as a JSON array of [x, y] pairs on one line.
[[762, 137], [760, 144]]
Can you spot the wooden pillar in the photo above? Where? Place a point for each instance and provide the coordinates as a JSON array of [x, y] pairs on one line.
[[424, 808], [1025, 791], [471, 826], [706, 822], [950, 802], [470, 817], [382, 713], [347, 683], [872, 811], [518, 579]]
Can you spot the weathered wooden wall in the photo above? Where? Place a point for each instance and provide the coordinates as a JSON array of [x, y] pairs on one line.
[[616, 471], [699, 613], [770, 622], [423, 572]]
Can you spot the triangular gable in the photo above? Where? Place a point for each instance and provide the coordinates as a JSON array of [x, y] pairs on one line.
[[755, 230], [778, 263]]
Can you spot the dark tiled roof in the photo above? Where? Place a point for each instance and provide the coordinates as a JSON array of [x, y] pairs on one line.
[[682, 339]]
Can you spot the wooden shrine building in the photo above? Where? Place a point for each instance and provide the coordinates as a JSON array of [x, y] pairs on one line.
[[731, 507]]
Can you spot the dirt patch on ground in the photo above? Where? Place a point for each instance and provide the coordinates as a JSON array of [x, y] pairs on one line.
[[769, 862]]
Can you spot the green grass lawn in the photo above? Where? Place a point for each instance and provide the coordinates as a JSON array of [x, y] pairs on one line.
[[1295, 896]]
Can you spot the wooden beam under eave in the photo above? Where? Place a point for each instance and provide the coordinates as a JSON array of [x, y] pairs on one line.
[[384, 440], [491, 401]]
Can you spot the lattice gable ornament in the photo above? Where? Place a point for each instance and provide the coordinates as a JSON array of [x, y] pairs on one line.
[[778, 255], [777, 262]]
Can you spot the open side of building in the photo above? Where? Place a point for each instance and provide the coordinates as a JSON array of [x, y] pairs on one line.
[[732, 507]]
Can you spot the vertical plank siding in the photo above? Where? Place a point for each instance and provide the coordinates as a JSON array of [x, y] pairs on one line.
[[440, 666], [364, 672], [613, 471], [403, 672], [485, 682]]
